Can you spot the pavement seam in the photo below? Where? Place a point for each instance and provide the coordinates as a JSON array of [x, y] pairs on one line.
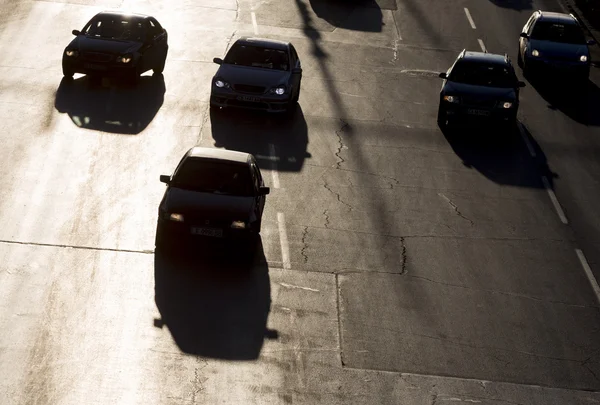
[[339, 319], [81, 247]]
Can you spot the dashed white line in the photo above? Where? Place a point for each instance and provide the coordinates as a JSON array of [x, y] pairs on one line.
[[273, 158], [526, 140], [283, 239], [254, 24], [554, 200], [589, 274], [481, 44], [299, 287], [470, 18]]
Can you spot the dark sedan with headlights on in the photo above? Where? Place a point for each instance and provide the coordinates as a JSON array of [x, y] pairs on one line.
[[117, 44], [258, 74], [479, 86], [213, 194], [554, 43]]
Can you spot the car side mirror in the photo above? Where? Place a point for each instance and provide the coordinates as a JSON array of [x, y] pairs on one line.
[[264, 190], [443, 75], [218, 61], [591, 42], [524, 35], [520, 84], [76, 32], [165, 178], [297, 70]]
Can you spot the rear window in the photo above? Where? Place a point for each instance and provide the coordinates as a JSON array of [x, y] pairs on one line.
[[214, 176], [483, 74], [558, 32], [255, 56]]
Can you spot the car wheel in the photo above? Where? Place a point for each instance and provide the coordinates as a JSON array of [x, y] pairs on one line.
[[68, 73], [297, 96], [520, 59], [161, 67]]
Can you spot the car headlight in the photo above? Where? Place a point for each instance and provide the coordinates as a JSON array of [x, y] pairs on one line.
[[176, 217], [124, 59], [279, 90], [238, 225], [506, 104], [535, 53], [221, 83], [583, 58], [451, 99], [71, 52]]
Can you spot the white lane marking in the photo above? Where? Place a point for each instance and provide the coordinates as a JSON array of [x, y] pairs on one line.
[[526, 140], [554, 200], [589, 274], [283, 239], [481, 44], [274, 171], [470, 18], [297, 286], [254, 24], [270, 158]]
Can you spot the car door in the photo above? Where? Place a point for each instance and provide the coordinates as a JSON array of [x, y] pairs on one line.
[[296, 69], [258, 182], [160, 37], [527, 28], [150, 50]]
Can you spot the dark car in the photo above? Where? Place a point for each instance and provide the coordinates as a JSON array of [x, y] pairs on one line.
[[117, 44], [259, 74], [479, 85], [554, 43], [213, 194]]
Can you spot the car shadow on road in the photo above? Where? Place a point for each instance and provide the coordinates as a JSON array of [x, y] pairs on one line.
[[273, 139], [581, 104], [355, 15], [214, 304], [504, 156], [114, 109], [519, 5]]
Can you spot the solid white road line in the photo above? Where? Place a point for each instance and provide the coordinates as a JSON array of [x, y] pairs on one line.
[[254, 24], [589, 274], [273, 159], [283, 239], [470, 18], [481, 44], [554, 200], [526, 140]]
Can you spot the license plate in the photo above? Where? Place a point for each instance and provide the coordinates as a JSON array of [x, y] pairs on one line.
[[215, 233], [473, 111], [94, 66], [248, 98]]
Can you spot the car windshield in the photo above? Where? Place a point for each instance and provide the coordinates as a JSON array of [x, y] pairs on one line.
[[483, 74], [256, 56], [115, 27], [555, 32], [211, 176]]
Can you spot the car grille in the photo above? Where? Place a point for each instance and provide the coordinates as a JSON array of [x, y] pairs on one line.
[[203, 221], [97, 57], [563, 58], [246, 88], [478, 102]]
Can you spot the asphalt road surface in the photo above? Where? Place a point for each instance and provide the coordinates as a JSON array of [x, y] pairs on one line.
[[397, 264]]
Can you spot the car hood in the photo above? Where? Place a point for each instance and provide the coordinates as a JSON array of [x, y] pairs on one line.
[[558, 50], [217, 206], [90, 44], [252, 76], [484, 92]]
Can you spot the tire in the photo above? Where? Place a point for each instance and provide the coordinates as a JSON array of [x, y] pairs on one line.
[[520, 59], [68, 73], [161, 67], [297, 96]]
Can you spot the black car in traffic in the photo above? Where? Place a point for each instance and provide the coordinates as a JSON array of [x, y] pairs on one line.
[[479, 86], [117, 45], [258, 74], [213, 194], [554, 43]]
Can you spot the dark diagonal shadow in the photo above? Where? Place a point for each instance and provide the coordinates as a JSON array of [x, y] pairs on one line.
[[519, 5], [356, 15]]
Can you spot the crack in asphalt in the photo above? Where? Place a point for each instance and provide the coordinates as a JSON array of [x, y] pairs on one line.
[[229, 41], [404, 258], [338, 133], [455, 207], [339, 198], [339, 318], [304, 244], [326, 214], [56, 245], [198, 382]]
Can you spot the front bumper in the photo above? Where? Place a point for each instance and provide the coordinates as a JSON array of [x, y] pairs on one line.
[[221, 97], [108, 69], [478, 113], [185, 234], [551, 66]]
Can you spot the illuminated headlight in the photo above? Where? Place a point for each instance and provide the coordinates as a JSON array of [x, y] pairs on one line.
[[506, 104], [278, 90], [176, 217], [124, 59], [238, 225], [535, 53], [451, 99], [72, 53], [583, 58], [221, 83]]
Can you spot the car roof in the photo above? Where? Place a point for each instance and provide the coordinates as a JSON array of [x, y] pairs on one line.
[[120, 14], [557, 17], [264, 42], [485, 57], [199, 152]]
